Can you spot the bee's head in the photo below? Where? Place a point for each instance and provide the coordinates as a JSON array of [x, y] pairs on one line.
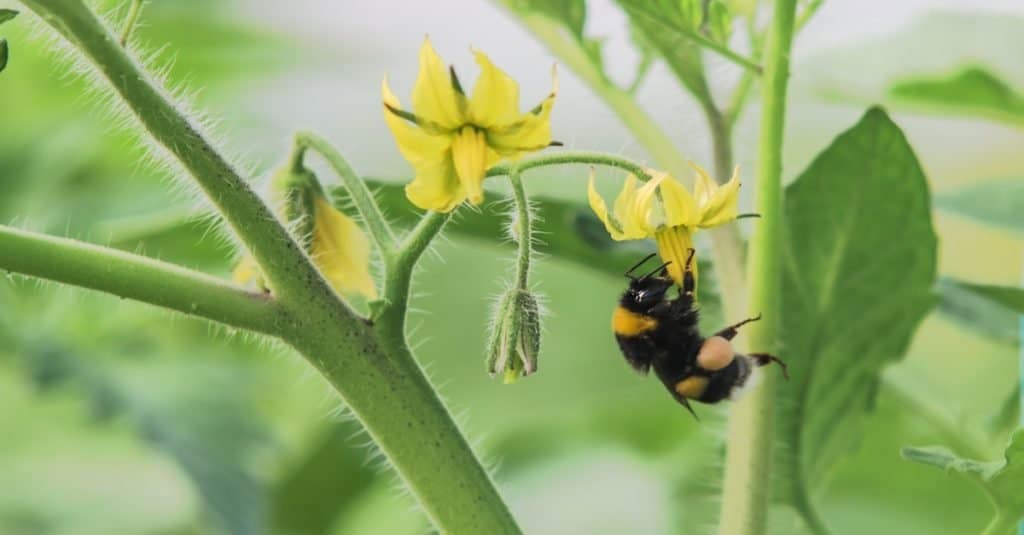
[[648, 290]]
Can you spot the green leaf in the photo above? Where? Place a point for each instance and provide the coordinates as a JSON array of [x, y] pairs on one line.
[[860, 267], [3, 54], [972, 91], [997, 202], [1001, 480], [7, 14], [1008, 415], [978, 312]]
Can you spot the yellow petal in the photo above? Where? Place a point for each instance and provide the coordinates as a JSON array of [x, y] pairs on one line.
[[495, 99], [634, 227], [342, 251], [436, 186], [433, 96], [722, 207], [472, 157], [532, 132], [679, 206], [601, 210], [416, 145], [674, 246], [640, 214], [704, 187]]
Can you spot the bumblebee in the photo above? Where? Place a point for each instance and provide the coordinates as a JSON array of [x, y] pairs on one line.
[[655, 331]]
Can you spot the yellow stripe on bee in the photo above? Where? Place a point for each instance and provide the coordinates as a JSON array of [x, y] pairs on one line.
[[627, 323], [692, 387]]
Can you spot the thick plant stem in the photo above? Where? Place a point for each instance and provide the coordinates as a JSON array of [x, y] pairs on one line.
[[370, 367], [137, 277], [280, 258], [747, 484]]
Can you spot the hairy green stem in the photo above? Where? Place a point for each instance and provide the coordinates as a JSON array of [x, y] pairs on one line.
[[391, 320], [747, 484], [361, 196], [137, 277], [524, 227], [571, 157], [280, 258], [370, 366]]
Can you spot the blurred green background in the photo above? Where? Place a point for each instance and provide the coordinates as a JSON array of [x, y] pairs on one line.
[[119, 418]]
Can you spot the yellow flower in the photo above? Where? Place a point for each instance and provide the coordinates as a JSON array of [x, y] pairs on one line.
[[341, 250], [338, 246], [451, 139], [665, 210]]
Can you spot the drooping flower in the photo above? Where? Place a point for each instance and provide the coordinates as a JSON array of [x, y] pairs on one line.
[[451, 139], [665, 210], [338, 246]]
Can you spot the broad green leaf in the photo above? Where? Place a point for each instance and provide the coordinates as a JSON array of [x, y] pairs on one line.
[[973, 310], [972, 91], [997, 202], [860, 260], [1001, 480], [7, 14]]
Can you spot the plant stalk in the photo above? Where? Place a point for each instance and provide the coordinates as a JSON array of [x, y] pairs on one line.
[[747, 484], [137, 277]]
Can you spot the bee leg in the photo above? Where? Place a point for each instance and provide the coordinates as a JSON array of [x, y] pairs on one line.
[[764, 359], [731, 331], [689, 283]]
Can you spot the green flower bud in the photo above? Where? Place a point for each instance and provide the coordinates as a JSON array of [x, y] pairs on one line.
[[515, 336]]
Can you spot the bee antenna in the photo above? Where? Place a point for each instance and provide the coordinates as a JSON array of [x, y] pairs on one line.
[[629, 272], [657, 269]]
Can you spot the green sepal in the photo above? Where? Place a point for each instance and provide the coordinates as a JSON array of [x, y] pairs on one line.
[[3, 54]]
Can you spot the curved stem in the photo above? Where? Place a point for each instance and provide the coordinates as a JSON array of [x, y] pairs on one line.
[[137, 277], [571, 157], [280, 259], [748, 461], [525, 229], [361, 196]]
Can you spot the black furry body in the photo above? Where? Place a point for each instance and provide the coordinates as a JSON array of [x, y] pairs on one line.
[[655, 331]]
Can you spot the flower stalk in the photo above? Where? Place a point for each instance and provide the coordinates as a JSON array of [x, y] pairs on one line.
[[747, 484]]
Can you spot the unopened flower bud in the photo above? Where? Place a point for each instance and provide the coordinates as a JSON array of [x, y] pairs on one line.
[[515, 336]]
